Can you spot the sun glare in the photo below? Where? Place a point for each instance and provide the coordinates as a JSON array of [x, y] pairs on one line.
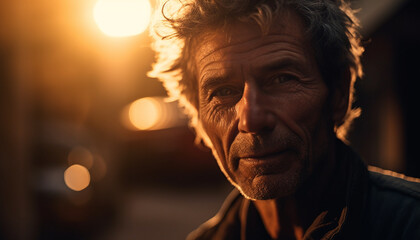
[[122, 18]]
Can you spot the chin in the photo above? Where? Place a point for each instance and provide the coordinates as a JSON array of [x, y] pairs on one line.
[[271, 186]]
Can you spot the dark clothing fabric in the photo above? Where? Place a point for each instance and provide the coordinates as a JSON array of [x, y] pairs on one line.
[[359, 204]]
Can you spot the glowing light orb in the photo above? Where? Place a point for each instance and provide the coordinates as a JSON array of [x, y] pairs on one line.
[[122, 18], [144, 113], [77, 177]]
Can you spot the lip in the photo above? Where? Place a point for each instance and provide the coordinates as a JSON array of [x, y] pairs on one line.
[[262, 156], [267, 163], [272, 158]]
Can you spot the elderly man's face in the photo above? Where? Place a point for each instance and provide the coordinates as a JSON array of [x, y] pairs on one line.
[[263, 105]]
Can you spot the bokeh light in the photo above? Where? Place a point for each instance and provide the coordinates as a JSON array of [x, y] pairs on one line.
[[80, 155], [144, 113], [152, 113], [77, 177], [99, 169], [122, 18]]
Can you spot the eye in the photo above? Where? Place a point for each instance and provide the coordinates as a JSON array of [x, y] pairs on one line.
[[224, 92], [281, 78]]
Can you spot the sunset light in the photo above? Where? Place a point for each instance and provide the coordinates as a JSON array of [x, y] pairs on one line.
[[122, 18]]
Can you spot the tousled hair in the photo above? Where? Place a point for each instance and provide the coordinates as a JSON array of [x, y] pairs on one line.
[[331, 26]]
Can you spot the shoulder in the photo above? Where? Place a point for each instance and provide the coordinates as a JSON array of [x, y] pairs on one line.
[[394, 205], [395, 183], [224, 223]]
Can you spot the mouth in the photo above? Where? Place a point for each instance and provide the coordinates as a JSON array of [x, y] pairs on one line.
[[267, 162], [263, 156]]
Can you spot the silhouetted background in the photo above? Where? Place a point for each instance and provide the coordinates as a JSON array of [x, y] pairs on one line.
[[91, 149]]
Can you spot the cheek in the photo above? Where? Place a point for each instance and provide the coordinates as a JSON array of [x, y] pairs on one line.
[[309, 111], [304, 112], [220, 133], [219, 129]]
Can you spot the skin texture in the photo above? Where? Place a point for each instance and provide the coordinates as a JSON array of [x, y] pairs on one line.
[[267, 113]]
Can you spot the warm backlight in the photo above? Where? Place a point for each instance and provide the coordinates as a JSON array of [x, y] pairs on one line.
[[77, 177], [122, 18], [144, 113]]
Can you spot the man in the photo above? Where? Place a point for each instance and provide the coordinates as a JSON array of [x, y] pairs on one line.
[[268, 86]]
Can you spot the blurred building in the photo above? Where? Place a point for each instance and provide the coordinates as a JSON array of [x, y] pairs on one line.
[[386, 133]]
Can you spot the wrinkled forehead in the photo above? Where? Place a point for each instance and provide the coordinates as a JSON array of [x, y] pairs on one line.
[[241, 35]]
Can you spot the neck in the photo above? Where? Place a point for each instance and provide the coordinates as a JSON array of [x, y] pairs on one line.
[[280, 218], [289, 217]]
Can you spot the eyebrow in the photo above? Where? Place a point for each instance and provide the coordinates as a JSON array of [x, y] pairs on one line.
[[280, 63], [211, 82], [274, 65]]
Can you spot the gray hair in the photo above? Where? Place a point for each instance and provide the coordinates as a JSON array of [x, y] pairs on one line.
[[330, 25]]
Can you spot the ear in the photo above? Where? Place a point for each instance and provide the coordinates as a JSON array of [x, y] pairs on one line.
[[340, 98]]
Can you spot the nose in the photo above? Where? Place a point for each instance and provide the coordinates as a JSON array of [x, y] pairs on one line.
[[254, 113]]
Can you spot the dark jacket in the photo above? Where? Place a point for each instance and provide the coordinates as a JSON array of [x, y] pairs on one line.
[[374, 204]]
